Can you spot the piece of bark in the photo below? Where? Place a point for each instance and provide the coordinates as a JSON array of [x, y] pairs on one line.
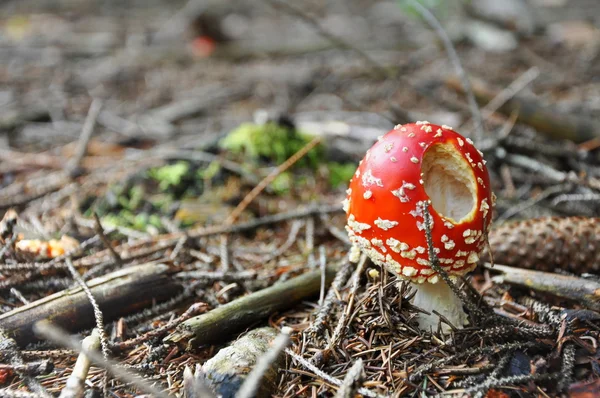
[[226, 371], [223, 321], [545, 244], [584, 291], [543, 118], [118, 294]]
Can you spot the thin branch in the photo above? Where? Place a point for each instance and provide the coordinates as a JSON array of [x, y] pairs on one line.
[[86, 134], [455, 60], [97, 312]]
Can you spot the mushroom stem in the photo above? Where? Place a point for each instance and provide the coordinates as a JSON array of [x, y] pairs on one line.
[[441, 298]]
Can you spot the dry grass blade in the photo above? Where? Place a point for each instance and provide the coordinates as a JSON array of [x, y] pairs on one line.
[[56, 335]]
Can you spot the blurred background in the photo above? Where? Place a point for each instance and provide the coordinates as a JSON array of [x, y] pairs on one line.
[[183, 75]]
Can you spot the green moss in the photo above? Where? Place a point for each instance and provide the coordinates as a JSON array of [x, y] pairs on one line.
[[210, 171], [340, 173], [270, 142], [282, 183], [170, 175]]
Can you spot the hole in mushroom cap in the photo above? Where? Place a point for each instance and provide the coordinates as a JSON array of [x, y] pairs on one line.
[[449, 182]]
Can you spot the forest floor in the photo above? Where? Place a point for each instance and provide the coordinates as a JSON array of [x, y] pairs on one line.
[[126, 207]]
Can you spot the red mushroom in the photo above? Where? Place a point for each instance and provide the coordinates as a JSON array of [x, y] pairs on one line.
[[410, 166]]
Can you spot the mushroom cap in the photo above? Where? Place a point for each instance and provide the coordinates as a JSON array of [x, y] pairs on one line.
[[412, 165]]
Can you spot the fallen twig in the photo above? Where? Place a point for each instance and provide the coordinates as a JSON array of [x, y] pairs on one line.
[[118, 294], [584, 291], [231, 317]]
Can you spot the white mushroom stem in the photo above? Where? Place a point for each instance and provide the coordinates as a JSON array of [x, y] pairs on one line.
[[438, 297]]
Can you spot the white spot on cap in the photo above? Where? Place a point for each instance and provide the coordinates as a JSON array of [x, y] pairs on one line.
[[396, 245], [470, 141], [467, 232], [403, 129], [447, 127], [473, 258], [410, 254], [348, 191], [414, 159], [422, 261], [388, 147], [393, 159], [484, 207], [367, 194], [356, 226], [354, 254], [438, 133], [385, 224], [411, 135], [460, 141], [405, 149], [449, 245], [346, 205], [369, 179], [420, 122], [433, 279], [427, 271], [420, 249], [409, 271], [426, 128], [396, 127]]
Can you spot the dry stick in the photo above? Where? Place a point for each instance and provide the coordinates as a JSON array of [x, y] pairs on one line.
[[194, 309], [500, 99], [323, 267], [238, 314], [328, 378], [512, 211], [455, 60], [86, 134], [291, 239], [50, 332], [74, 386], [544, 119], [119, 293], [252, 382], [352, 381], [339, 329], [100, 231], [584, 291], [269, 179], [169, 240]]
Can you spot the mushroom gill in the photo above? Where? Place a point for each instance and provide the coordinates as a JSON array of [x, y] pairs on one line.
[[449, 182]]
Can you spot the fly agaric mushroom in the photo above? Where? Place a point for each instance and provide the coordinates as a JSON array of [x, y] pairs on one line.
[[411, 166]]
